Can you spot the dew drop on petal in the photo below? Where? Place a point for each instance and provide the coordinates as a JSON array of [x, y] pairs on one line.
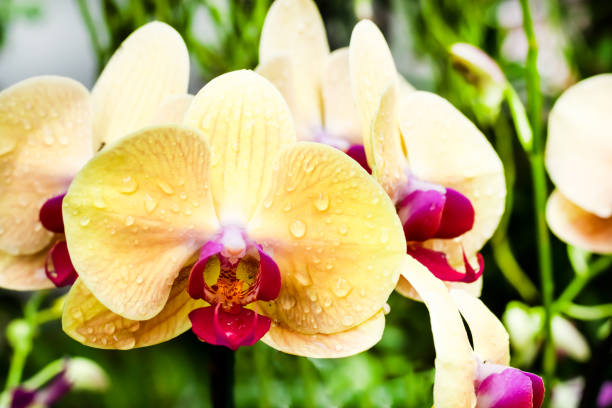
[[99, 203], [84, 221], [109, 328], [298, 228], [165, 187], [287, 302], [341, 288], [150, 203], [129, 220], [322, 202], [384, 236], [128, 185], [7, 144]]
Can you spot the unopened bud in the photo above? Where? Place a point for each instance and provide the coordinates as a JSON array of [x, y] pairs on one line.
[[84, 374]]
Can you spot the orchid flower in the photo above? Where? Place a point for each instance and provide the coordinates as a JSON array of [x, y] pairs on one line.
[[294, 55], [466, 377], [227, 225], [444, 177], [51, 126], [579, 162]]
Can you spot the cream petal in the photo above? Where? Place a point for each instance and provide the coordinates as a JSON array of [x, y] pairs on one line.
[[578, 227], [172, 110], [333, 345], [579, 144], [294, 28], [150, 65], [24, 272], [41, 119]]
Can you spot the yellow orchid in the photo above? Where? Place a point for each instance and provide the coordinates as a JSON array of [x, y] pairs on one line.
[[441, 172], [467, 376], [229, 225], [50, 127], [579, 161], [294, 55]]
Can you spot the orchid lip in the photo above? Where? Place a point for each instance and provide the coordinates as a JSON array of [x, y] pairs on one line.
[[50, 214], [227, 321], [500, 386], [58, 266], [438, 265]]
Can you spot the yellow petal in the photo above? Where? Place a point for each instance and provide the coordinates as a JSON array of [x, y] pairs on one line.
[[135, 214], [42, 119], [88, 321], [579, 146], [150, 65], [405, 87], [24, 272], [374, 82], [246, 122], [172, 110], [578, 227], [335, 236], [293, 28], [342, 344], [491, 340], [444, 147], [455, 363], [340, 112]]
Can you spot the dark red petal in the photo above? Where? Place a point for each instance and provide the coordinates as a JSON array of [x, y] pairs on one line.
[[421, 213], [215, 326], [437, 264], [269, 277], [50, 214], [22, 398], [357, 153], [63, 272], [457, 216], [196, 275]]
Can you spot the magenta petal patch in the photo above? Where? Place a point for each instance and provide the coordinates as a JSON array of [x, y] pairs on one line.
[[58, 266], [357, 153], [421, 214], [457, 216], [268, 279], [438, 265], [50, 214], [510, 388], [215, 326], [197, 283]]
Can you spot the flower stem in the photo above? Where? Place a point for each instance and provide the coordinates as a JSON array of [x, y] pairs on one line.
[[222, 376], [540, 190]]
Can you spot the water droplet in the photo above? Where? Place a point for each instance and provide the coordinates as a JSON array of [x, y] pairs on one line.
[[384, 236], [129, 220], [183, 195], [322, 202], [343, 229], [165, 187], [109, 328], [128, 185], [126, 343], [287, 302], [303, 277], [341, 288], [298, 228], [84, 221], [99, 203], [149, 203], [287, 207], [139, 280], [7, 144]]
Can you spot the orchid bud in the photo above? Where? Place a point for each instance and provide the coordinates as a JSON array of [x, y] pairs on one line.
[[85, 374]]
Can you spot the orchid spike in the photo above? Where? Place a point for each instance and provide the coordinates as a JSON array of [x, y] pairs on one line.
[[578, 151], [445, 178], [314, 82], [46, 118], [228, 225]]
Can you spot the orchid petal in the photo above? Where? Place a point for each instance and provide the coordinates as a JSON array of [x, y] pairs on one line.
[[579, 146], [569, 341], [438, 265], [172, 110], [421, 213], [445, 148], [374, 82], [150, 65], [339, 109], [455, 364], [405, 289], [196, 275], [41, 119], [215, 326], [578, 227], [357, 153], [88, 321], [24, 272], [246, 122], [269, 277], [500, 386], [457, 217], [491, 341], [136, 213], [50, 214], [58, 267], [294, 29], [336, 345], [333, 232]]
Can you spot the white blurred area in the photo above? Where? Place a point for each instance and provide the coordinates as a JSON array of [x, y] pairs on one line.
[[54, 43]]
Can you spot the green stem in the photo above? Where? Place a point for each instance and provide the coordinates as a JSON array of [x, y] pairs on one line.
[[580, 281], [540, 191], [588, 312]]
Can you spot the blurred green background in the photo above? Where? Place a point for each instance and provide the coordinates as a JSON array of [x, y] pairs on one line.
[[76, 37]]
